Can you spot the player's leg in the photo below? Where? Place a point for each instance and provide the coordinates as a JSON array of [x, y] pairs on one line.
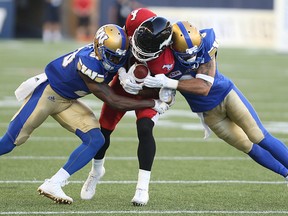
[[146, 119], [230, 132], [35, 109], [109, 118], [260, 135], [78, 118]]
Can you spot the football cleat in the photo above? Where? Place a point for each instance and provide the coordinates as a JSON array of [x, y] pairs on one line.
[[140, 198], [89, 188], [54, 191]]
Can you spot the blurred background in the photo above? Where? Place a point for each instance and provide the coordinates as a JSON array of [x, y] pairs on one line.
[[237, 23]]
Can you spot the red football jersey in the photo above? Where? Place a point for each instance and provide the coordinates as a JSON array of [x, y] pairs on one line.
[[163, 64]]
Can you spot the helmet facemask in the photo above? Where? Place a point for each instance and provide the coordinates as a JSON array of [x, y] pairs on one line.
[[112, 60], [192, 57]]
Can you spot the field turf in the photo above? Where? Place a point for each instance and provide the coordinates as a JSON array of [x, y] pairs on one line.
[[191, 176]]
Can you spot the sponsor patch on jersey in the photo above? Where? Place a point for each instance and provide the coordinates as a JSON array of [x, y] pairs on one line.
[[174, 74]]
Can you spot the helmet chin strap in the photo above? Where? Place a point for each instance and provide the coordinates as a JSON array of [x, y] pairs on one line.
[[107, 66]]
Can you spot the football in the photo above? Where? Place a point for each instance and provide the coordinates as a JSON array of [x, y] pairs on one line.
[[140, 72]]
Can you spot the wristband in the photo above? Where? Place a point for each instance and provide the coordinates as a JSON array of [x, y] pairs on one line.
[[205, 77], [172, 83]]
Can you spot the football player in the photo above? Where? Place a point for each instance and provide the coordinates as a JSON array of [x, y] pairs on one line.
[[220, 104], [55, 93], [157, 32]]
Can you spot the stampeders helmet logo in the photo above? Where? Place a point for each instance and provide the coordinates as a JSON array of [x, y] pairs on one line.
[[134, 14]]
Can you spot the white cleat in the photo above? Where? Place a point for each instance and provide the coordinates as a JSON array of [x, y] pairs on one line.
[[140, 198], [54, 191], [89, 188]]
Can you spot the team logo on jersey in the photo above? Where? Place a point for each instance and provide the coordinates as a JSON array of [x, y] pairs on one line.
[[167, 66], [101, 36]]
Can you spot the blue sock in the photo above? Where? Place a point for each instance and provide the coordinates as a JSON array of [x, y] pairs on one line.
[[93, 140], [264, 158], [6, 144], [277, 148]]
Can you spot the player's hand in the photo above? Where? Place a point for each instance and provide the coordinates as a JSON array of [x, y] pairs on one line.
[[159, 81], [128, 83], [167, 95], [131, 69], [160, 106]]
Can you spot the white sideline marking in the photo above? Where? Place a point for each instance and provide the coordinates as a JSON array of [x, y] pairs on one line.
[[128, 158], [145, 212], [155, 182]]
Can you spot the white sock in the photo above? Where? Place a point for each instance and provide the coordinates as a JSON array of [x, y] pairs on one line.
[[61, 176], [143, 179], [97, 166], [46, 36], [57, 36]]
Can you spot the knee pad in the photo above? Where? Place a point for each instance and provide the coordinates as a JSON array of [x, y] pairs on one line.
[[101, 153], [93, 138]]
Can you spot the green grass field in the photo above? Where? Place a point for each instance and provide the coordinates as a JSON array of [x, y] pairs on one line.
[[191, 176]]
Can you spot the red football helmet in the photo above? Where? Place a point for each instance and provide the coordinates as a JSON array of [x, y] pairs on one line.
[[135, 18]]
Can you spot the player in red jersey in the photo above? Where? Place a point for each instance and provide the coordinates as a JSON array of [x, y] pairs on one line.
[[159, 62]]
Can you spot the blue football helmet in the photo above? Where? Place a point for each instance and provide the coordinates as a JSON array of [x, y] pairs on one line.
[[111, 46], [187, 44]]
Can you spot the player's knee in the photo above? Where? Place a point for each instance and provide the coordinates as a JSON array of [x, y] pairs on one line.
[[256, 135], [93, 138], [6, 144], [145, 127]]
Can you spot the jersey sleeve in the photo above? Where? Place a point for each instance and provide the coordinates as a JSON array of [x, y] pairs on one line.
[[91, 69], [210, 44]]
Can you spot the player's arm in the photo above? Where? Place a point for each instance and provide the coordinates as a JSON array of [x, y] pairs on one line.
[[203, 82], [107, 95], [200, 85]]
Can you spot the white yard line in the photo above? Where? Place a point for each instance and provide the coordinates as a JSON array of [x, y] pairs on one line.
[[154, 182], [145, 212], [172, 158]]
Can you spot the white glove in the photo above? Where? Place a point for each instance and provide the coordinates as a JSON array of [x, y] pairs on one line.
[[167, 95], [160, 106], [159, 81], [128, 83], [131, 69]]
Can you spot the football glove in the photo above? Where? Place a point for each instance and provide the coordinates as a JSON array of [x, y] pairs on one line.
[[159, 81], [167, 95], [128, 83], [160, 106]]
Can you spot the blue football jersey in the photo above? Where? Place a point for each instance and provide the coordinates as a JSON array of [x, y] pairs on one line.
[[63, 72], [221, 86]]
